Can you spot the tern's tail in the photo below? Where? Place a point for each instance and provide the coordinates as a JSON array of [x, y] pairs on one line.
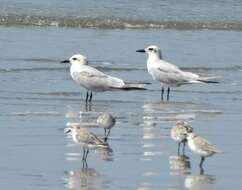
[[133, 86], [208, 79]]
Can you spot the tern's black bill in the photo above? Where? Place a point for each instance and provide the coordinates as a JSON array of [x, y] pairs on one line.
[[65, 61], [140, 50]]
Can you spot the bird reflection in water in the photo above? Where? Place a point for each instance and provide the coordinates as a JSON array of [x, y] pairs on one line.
[[179, 165], [199, 182], [85, 178], [81, 117], [105, 153], [88, 106], [169, 111]]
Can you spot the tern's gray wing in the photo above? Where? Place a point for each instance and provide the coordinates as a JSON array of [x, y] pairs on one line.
[[93, 79], [171, 74]]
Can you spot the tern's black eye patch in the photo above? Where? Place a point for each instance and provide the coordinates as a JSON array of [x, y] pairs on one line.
[[150, 49], [74, 58]]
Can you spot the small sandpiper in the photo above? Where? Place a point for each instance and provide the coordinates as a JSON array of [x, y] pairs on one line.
[[86, 139], [107, 121], [179, 133], [201, 146]]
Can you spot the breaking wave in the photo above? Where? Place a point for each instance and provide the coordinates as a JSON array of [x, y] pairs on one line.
[[117, 23]]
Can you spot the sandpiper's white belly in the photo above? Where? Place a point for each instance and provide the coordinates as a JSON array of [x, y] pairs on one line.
[[199, 149]]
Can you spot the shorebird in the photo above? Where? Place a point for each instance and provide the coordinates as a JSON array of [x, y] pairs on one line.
[[179, 133], [201, 146], [94, 80], [107, 121], [167, 74], [86, 139]]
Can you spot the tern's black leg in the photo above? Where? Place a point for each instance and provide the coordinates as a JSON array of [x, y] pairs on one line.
[[90, 97], [87, 95], [162, 93], [168, 93], [178, 150]]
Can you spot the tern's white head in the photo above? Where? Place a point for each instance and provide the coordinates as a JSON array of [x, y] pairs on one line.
[[152, 50], [77, 59]]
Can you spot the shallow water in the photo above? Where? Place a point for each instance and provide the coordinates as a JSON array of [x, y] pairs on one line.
[[38, 99]]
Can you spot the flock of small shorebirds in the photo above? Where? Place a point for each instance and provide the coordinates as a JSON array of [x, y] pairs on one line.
[[182, 133], [166, 73]]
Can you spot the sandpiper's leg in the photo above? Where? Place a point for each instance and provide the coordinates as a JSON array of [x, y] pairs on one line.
[[105, 135], [201, 171], [83, 155], [87, 151], [183, 149], [90, 98], [178, 150], [201, 166], [168, 93], [201, 163], [105, 130], [162, 93], [87, 95], [85, 164], [109, 131]]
